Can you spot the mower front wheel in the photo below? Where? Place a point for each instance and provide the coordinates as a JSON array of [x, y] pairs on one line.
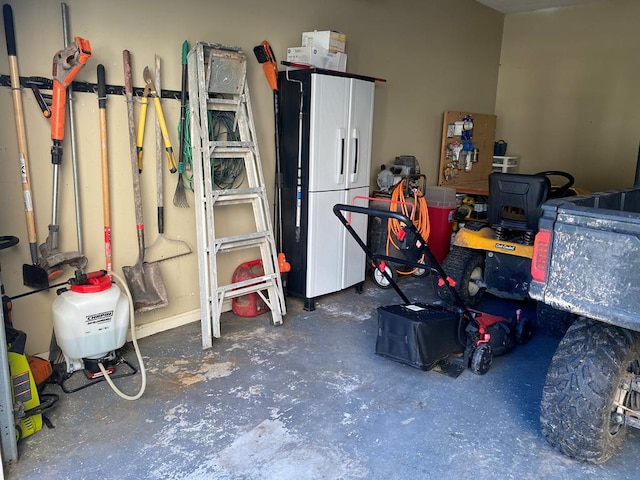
[[466, 268]]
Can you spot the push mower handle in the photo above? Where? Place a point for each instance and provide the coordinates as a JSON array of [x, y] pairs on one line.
[[340, 207], [421, 245]]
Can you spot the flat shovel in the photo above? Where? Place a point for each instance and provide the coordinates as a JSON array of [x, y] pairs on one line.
[[144, 279]]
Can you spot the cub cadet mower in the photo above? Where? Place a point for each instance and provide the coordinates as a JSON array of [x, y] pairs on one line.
[[495, 256]]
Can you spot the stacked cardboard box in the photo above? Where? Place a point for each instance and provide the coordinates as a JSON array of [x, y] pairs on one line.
[[322, 49]]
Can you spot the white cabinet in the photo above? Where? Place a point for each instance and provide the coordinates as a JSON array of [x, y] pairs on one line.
[[326, 131], [340, 133]]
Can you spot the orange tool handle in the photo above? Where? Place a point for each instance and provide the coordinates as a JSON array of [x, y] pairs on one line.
[[270, 67], [67, 64]]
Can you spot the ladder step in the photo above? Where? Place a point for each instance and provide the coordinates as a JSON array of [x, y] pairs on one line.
[[237, 146], [235, 242], [232, 103], [238, 195], [250, 285]]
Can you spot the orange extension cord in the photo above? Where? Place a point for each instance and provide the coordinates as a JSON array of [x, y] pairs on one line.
[[421, 222]]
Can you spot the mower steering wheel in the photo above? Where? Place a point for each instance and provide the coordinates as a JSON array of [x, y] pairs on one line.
[[557, 192]]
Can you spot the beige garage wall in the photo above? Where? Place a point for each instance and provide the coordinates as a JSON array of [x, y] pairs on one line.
[[568, 91], [436, 56]]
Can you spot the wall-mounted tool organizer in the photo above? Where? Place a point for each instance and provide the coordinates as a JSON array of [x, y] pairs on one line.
[[466, 152]]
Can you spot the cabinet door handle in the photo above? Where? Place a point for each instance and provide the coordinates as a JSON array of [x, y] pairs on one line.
[[340, 146], [356, 154]]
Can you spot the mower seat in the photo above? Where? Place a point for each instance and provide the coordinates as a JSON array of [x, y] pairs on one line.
[[515, 200]]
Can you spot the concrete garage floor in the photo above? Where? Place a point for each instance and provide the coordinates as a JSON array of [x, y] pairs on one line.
[[308, 400]]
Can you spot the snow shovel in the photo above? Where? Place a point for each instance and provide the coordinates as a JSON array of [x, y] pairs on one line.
[[143, 279], [163, 247]]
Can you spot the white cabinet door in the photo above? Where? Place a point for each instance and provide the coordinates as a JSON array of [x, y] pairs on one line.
[[328, 136], [359, 132], [325, 244], [334, 259], [353, 268]]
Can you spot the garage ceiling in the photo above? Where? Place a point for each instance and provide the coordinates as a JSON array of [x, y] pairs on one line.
[[515, 6]]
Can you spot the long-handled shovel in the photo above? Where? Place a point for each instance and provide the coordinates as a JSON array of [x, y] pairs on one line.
[[144, 280], [32, 274]]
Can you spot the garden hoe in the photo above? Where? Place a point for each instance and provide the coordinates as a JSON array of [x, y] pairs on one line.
[[67, 64]]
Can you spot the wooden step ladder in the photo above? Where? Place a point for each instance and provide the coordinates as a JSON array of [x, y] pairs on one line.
[[218, 86]]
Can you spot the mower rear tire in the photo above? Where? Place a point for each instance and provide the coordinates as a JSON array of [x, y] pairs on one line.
[[380, 280], [466, 268], [584, 387], [524, 331], [481, 359]]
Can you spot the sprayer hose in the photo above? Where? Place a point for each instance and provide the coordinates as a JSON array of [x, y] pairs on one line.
[[135, 346]]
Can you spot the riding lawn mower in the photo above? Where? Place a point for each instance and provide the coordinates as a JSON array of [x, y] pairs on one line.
[[495, 256]]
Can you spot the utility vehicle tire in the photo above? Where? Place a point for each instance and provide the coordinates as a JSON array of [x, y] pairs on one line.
[[380, 280], [583, 387], [551, 321], [466, 267]]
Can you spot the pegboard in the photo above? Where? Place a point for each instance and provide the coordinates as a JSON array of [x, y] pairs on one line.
[[466, 177]]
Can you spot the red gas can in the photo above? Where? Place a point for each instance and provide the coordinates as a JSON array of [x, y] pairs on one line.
[[249, 305]]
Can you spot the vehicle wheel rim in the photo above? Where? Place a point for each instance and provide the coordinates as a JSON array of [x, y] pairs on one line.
[[476, 275], [624, 398]]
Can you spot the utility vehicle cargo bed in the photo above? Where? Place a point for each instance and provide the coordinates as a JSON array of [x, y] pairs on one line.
[[587, 256]]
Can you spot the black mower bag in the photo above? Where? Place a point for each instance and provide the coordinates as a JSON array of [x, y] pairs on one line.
[[418, 334]]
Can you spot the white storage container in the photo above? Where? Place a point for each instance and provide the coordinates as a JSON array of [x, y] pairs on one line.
[[506, 164]]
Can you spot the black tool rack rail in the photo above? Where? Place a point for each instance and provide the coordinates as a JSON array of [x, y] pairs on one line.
[[43, 83]]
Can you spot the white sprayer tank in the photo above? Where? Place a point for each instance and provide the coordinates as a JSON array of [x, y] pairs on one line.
[[91, 320]]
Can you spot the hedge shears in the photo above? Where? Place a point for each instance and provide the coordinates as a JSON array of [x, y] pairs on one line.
[[150, 91]]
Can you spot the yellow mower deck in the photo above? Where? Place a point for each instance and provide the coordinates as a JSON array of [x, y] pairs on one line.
[[484, 239]]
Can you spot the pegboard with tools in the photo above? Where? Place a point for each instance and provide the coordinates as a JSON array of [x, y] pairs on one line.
[[466, 151]]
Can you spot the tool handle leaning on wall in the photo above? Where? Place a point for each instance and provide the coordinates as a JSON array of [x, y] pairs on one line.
[[16, 92]]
